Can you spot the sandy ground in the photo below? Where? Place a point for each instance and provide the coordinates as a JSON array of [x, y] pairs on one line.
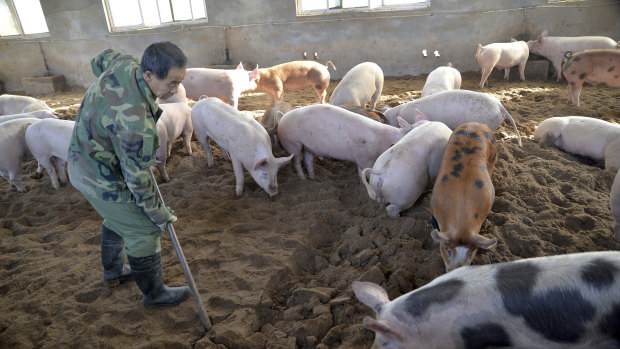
[[277, 272]]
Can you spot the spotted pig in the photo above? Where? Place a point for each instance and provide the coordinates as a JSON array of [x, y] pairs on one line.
[[591, 66], [463, 194], [565, 301]]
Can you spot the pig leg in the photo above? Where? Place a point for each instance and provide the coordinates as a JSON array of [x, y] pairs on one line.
[[321, 93], [309, 161], [15, 178], [39, 173], [49, 167], [557, 65], [187, 141], [485, 75], [393, 211], [507, 74], [574, 90], [60, 169], [239, 178], [205, 144], [522, 70]]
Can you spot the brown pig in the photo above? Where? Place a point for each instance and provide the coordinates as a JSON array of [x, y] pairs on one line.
[[296, 75], [600, 66], [463, 194]]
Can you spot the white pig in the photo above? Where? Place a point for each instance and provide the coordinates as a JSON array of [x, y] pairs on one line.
[[403, 172], [442, 79], [555, 302], [48, 141], [180, 96], [14, 150], [174, 121], [226, 84], [614, 203], [243, 137], [581, 135], [554, 47], [13, 104], [454, 108], [361, 84], [502, 55], [325, 130], [39, 114]]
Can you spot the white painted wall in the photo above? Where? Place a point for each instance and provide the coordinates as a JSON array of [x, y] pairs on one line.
[[269, 32]]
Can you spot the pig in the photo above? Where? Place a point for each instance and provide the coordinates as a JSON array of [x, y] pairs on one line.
[[243, 137], [227, 84], [296, 75], [614, 204], [369, 113], [502, 55], [175, 121], [13, 104], [581, 135], [553, 48], [361, 84], [39, 114], [563, 301], [48, 141], [456, 107], [14, 150], [180, 96], [325, 130], [591, 66], [442, 79], [403, 171], [272, 118], [463, 194]]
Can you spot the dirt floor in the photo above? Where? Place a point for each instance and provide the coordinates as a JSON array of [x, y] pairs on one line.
[[277, 272]]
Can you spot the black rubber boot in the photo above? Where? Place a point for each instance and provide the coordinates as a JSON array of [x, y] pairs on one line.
[[113, 258], [149, 275]]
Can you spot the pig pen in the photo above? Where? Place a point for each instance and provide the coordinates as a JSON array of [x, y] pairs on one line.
[[277, 272]]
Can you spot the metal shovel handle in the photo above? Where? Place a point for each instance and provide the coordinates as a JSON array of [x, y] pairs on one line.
[[202, 313]]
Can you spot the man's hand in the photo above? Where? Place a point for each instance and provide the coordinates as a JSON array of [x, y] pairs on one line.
[[171, 219]]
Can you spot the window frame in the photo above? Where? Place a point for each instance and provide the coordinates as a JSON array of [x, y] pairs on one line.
[[20, 27], [113, 29], [416, 6]]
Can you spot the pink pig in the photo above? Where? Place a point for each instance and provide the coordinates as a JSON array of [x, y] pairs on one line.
[[591, 66], [224, 84], [296, 75]]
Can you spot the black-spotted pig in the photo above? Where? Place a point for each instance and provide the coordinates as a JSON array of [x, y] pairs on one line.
[[591, 66], [561, 302], [463, 194]]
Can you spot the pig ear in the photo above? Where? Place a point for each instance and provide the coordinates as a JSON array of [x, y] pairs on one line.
[[283, 161], [439, 236], [419, 116], [513, 39], [254, 73], [402, 123], [383, 329], [370, 294], [262, 162], [240, 66], [544, 33], [482, 242]]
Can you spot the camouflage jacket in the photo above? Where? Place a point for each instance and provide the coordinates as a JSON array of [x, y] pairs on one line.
[[115, 137]]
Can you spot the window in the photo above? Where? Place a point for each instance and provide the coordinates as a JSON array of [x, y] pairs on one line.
[[21, 17], [135, 14], [314, 7]]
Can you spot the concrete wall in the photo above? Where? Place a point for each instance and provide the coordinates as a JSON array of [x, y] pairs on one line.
[[269, 32]]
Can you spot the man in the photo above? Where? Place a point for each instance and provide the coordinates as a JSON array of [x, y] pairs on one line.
[[112, 148]]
